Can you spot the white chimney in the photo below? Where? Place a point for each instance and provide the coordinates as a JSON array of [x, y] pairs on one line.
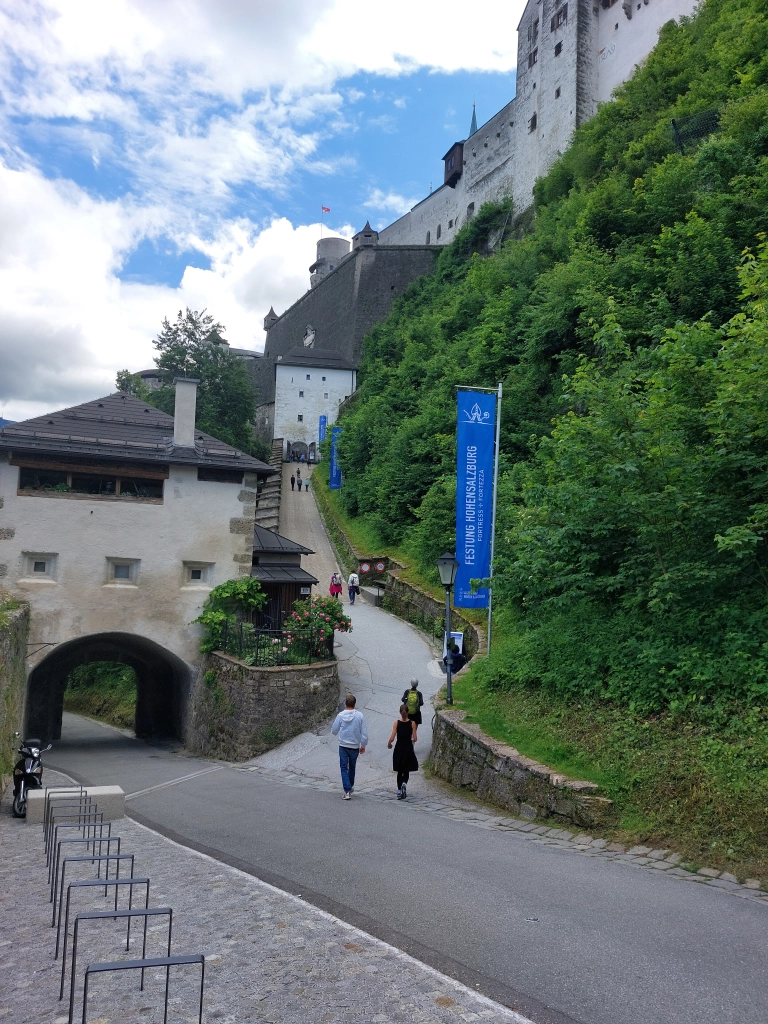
[[184, 411]]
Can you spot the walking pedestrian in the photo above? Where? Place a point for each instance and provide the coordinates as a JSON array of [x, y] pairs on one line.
[[306, 485], [413, 699], [293, 481], [349, 726], [404, 758], [335, 587], [353, 586]]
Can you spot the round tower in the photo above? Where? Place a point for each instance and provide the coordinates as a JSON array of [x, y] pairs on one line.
[[330, 252]]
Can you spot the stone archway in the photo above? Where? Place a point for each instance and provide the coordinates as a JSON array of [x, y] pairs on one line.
[[297, 449], [164, 684]]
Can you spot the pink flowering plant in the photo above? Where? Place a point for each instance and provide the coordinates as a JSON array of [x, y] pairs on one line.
[[318, 618]]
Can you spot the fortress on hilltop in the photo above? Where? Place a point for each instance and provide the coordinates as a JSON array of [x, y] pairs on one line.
[[570, 57]]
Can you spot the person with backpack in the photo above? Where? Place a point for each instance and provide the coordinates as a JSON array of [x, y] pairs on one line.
[[353, 586], [404, 757], [335, 587], [414, 701]]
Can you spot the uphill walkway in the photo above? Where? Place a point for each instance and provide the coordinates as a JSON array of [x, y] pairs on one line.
[[552, 925]]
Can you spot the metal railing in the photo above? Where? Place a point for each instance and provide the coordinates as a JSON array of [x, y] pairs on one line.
[[265, 648]]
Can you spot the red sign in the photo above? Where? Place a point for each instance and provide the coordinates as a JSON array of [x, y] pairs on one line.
[[365, 567], [379, 567]]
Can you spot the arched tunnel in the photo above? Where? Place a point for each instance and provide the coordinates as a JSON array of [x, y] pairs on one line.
[[163, 684]]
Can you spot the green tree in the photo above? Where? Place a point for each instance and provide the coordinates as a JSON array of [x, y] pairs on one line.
[[193, 345]]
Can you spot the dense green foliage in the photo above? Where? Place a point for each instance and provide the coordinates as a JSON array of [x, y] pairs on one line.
[[105, 690], [631, 535], [227, 604], [192, 346]]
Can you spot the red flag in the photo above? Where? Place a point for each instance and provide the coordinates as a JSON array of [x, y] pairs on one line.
[[325, 209]]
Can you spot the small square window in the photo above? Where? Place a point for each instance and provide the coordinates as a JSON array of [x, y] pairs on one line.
[[323, 378], [301, 394], [558, 49], [301, 418], [39, 565], [122, 572], [198, 574], [325, 395], [308, 377]]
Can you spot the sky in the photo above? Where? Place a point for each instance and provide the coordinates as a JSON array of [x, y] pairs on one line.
[[157, 154]]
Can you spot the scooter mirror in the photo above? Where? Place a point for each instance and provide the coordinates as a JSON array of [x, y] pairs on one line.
[[49, 747]]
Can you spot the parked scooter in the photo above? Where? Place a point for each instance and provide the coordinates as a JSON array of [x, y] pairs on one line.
[[27, 774]]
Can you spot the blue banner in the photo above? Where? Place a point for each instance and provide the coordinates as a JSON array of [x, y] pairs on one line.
[[322, 428], [335, 467], [474, 495]]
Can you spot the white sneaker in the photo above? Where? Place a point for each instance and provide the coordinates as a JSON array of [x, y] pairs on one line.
[[352, 791], [347, 796]]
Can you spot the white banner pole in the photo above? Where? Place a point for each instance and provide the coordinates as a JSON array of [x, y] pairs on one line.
[[493, 522]]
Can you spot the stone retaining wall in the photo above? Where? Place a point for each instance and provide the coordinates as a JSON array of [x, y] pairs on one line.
[[240, 711], [464, 756], [14, 629]]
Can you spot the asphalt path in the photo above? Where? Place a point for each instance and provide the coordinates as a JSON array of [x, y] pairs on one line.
[[558, 936]]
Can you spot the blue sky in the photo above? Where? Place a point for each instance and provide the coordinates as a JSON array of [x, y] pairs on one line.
[[143, 168]]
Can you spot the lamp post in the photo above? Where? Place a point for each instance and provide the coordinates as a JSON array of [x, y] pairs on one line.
[[447, 566]]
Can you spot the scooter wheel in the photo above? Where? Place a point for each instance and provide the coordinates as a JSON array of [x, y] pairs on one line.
[[19, 807]]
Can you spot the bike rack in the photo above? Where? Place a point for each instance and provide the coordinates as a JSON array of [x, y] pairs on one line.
[[64, 791], [83, 883], [114, 915], [135, 965], [100, 825], [79, 821], [91, 842], [84, 806], [94, 859]]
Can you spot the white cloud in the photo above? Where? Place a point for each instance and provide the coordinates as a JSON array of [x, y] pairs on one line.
[[390, 202], [68, 323]]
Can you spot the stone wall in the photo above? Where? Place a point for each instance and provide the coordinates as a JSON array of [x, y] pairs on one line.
[[14, 629], [418, 607], [464, 756], [343, 307], [240, 710]]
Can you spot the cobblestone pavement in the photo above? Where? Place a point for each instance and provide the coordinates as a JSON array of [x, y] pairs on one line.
[[271, 958]]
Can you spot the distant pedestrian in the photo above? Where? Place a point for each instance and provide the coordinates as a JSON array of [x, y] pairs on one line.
[[335, 587], [306, 485], [349, 726], [303, 459], [404, 758], [353, 586], [414, 701], [293, 481]]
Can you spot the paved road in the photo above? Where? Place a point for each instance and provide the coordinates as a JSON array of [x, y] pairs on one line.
[[535, 927], [560, 936]]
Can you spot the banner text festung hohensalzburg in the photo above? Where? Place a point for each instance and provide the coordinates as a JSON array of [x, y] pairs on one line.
[[474, 495]]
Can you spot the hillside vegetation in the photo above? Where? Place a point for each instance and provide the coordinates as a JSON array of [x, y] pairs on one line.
[[629, 329]]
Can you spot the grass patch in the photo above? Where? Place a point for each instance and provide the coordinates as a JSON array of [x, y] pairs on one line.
[[694, 781], [104, 690]]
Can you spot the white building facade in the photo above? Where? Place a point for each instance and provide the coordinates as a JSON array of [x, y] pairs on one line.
[[571, 56], [309, 384], [116, 521]]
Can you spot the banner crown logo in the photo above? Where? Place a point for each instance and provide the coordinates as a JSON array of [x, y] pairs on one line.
[[476, 415]]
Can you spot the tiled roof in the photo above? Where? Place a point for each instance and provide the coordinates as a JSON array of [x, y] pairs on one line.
[[281, 574], [315, 357], [121, 427], [266, 540]]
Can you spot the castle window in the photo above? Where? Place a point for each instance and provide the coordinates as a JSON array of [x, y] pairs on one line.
[[558, 49], [325, 395], [301, 394], [197, 574], [533, 121], [39, 565], [535, 32], [300, 419], [560, 18], [470, 210], [123, 571], [323, 378], [450, 224], [533, 58], [557, 93], [439, 230], [309, 376], [428, 237]]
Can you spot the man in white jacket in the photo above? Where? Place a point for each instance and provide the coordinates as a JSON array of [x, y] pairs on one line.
[[349, 726]]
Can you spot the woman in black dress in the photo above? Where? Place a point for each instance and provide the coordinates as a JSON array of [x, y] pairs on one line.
[[404, 759]]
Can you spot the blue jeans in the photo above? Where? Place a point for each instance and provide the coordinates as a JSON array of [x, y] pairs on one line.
[[352, 595], [348, 763]]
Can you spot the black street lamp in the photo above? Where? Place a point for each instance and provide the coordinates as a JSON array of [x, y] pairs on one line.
[[447, 567]]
